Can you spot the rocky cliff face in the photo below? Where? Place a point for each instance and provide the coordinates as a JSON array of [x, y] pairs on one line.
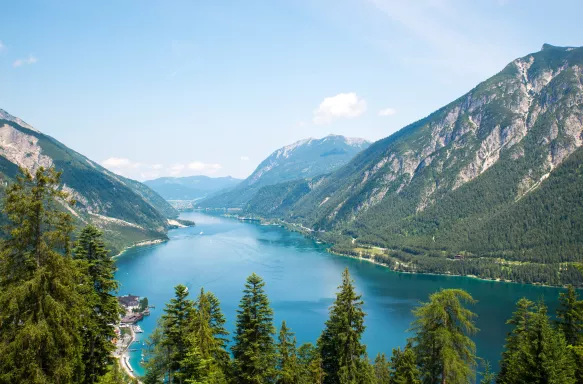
[[127, 211], [532, 108]]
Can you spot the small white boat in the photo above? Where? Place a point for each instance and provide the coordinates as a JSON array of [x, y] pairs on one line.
[[138, 329], [200, 233]]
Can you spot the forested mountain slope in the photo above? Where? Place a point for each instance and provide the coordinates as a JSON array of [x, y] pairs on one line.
[[494, 174], [302, 159], [126, 210]]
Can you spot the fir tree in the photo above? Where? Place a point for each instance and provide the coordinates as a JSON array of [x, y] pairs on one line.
[[487, 376], [535, 352], [209, 323], [287, 359], [157, 356], [254, 349], [310, 365], [570, 315], [445, 352], [515, 358], [104, 311], [40, 303], [194, 366], [404, 367], [340, 347], [382, 369], [207, 327], [175, 325]]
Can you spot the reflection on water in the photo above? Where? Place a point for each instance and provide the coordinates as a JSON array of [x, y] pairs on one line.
[[301, 280]]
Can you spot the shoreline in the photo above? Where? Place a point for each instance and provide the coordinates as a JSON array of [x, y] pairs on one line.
[[370, 260], [124, 358], [140, 244], [298, 228]]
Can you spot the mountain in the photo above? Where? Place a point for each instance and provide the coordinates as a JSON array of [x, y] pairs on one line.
[[192, 187], [494, 178], [302, 159], [126, 210]]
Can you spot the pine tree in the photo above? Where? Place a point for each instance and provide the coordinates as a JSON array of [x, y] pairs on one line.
[[175, 330], [157, 356], [535, 352], [209, 323], [570, 315], [254, 349], [553, 361], [40, 303], [287, 358], [404, 367], [487, 376], [310, 365], [515, 357], [382, 369], [194, 366], [207, 327], [105, 311], [445, 352], [340, 347]]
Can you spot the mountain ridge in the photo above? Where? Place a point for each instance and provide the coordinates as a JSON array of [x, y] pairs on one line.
[[301, 159], [127, 211]]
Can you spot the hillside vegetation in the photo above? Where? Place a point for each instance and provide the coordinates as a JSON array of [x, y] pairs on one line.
[[494, 176]]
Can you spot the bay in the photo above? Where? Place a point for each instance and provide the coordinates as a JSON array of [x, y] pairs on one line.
[[301, 281]]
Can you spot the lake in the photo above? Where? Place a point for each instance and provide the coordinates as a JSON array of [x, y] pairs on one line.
[[301, 281]]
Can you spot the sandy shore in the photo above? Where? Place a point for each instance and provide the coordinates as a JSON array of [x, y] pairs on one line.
[[124, 356]]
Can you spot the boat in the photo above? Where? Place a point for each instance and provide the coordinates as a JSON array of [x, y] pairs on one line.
[[200, 233], [138, 329]]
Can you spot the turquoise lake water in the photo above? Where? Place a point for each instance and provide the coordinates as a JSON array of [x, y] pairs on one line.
[[301, 281]]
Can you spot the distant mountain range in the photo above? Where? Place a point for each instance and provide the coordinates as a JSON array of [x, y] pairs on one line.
[[192, 187], [495, 175], [127, 211], [303, 159]]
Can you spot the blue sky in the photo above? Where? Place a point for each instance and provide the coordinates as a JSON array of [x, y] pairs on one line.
[[153, 88]]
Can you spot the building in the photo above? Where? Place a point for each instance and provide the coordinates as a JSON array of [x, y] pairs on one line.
[[132, 318], [129, 301]]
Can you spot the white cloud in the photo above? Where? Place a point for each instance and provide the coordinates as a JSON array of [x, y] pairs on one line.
[[302, 124], [176, 169], [345, 105], [20, 62], [244, 158], [145, 171], [387, 112]]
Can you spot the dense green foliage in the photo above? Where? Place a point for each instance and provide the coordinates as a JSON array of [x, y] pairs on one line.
[[442, 342], [535, 351], [98, 324], [55, 310], [343, 355], [254, 348]]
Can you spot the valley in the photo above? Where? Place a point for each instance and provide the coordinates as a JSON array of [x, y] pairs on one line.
[[291, 192]]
